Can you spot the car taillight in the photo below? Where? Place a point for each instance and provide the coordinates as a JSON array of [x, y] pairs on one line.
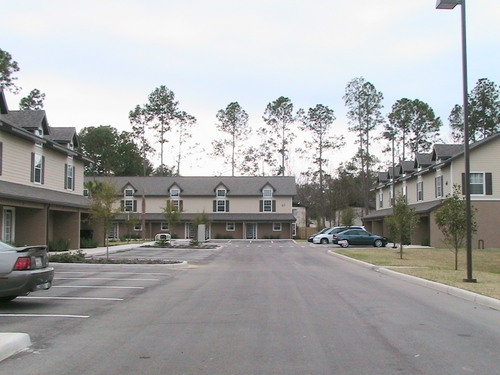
[[334, 236], [23, 263]]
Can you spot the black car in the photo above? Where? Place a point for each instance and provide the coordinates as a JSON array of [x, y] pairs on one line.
[[359, 237]]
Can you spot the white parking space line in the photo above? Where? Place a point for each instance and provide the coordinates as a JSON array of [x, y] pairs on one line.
[[75, 298], [114, 272], [103, 278], [98, 286], [45, 316]]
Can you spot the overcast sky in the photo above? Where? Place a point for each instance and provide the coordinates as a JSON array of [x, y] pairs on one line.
[[97, 59]]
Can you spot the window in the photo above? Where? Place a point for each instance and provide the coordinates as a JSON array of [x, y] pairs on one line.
[[294, 229], [129, 205], [221, 193], [438, 183], [221, 205], [69, 177], [267, 193], [37, 166], [420, 191], [85, 192], [138, 227], [230, 227], [381, 199], [175, 204], [480, 183], [175, 192], [276, 227], [268, 205], [129, 192], [164, 226]]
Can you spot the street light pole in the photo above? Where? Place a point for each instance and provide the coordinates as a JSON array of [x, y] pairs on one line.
[[450, 4]]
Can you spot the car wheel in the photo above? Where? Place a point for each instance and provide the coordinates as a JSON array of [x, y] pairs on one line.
[[324, 241], [344, 243], [378, 243], [7, 299]]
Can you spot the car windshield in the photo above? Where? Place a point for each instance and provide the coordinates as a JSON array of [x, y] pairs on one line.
[[4, 246]]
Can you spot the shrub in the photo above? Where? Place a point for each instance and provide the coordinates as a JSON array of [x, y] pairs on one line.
[[78, 257], [59, 245], [88, 243]]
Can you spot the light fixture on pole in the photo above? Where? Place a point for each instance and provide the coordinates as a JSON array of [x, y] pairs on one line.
[[450, 4], [391, 136]]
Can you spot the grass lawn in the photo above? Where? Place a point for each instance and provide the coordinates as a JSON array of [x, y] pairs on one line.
[[438, 265]]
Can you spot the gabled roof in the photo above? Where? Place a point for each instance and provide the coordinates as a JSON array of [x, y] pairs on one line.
[[63, 135], [394, 172], [443, 152], [204, 186], [407, 166], [422, 160], [28, 119]]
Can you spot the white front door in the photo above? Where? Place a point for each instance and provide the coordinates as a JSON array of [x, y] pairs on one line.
[[251, 231], [8, 230]]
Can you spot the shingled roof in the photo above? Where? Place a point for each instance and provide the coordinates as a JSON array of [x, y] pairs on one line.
[[204, 186]]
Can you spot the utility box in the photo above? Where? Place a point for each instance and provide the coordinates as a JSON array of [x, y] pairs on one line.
[[201, 233]]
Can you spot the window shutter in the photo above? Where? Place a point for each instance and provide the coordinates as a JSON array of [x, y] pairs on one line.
[[135, 205], [489, 184], [32, 178], [169, 205], [122, 205], [274, 205], [227, 205], [214, 206], [74, 179], [65, 176], [463, 183], [181, 205], [1, 144], [43, 169], [261, 205]]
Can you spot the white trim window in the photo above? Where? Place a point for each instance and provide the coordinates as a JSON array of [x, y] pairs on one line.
[[420, 191], [164, 226], [230, 226], [128, 205], [138, 227], [267, 205], [267, 193], [221, 205], [70, 179], [37, 171], [221, 193], [276, 227], [175, 192], [381, 199], [438, 183], [477, 183], [128, 193]]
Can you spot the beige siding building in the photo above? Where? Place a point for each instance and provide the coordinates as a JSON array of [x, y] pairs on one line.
[[430, 178], [231, 207], [41, 180]]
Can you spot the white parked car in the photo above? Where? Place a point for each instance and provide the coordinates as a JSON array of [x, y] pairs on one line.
[[163, 237], [327, 237]]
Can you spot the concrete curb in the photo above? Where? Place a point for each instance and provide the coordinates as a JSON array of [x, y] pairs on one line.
[[490, 302], [12, 343]]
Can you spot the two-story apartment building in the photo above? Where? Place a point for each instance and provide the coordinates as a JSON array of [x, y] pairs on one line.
[[430, 177], [41, 179], [234, 207]]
